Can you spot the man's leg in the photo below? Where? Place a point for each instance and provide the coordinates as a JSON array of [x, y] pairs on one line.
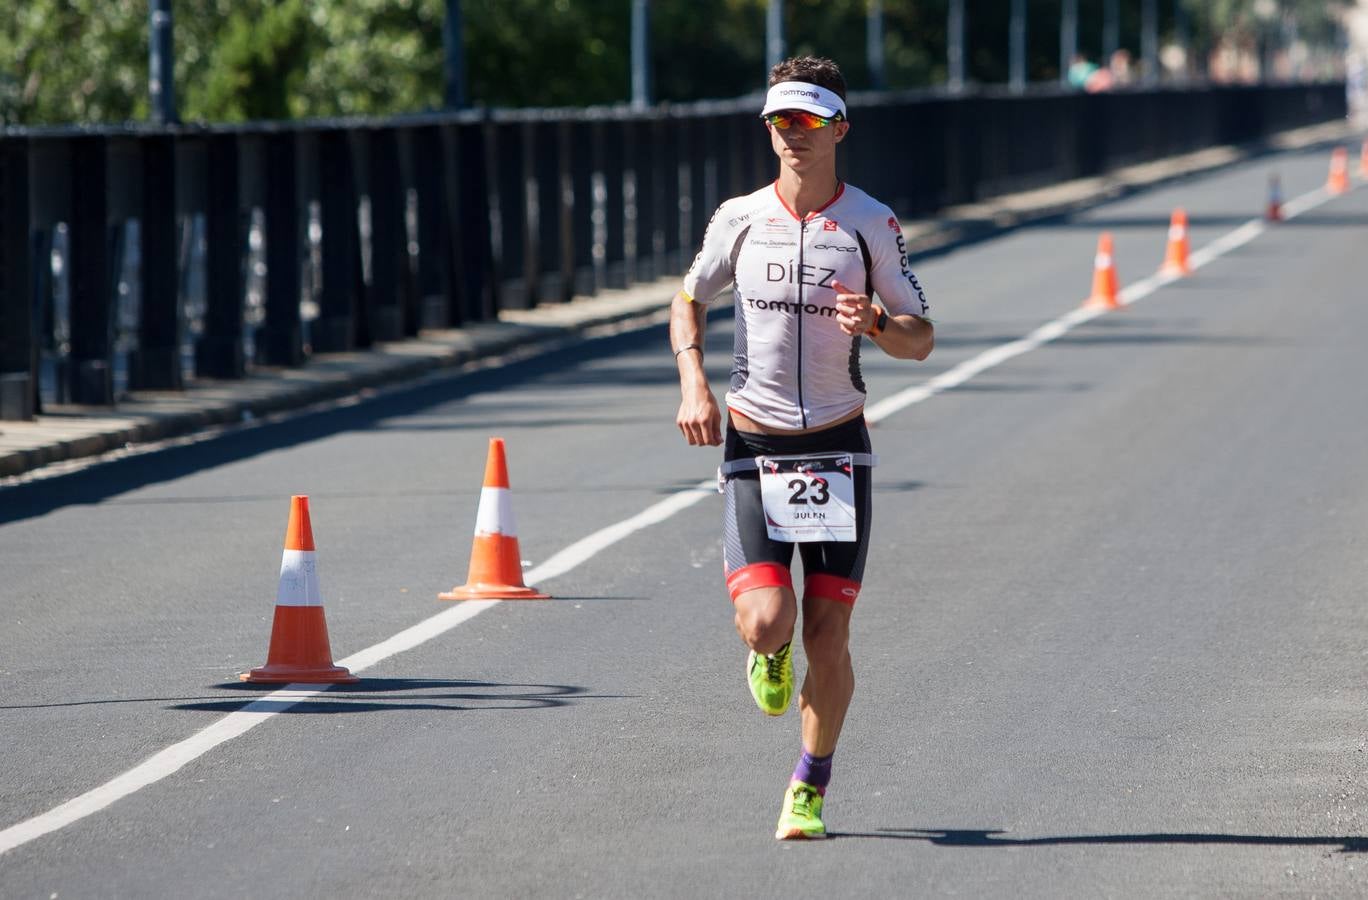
[[823, 701], [830, 680]]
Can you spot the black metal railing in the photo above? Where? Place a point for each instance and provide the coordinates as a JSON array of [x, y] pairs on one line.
[[263, 244]]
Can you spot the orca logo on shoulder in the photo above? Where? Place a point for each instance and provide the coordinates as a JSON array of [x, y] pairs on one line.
[[833, 247]]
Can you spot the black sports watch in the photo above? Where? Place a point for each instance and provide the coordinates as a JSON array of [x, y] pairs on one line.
[[880, 322]]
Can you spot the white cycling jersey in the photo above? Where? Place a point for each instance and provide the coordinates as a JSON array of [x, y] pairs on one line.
[[792, 365]]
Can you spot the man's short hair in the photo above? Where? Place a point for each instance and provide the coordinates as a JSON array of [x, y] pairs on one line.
[[812, 70]]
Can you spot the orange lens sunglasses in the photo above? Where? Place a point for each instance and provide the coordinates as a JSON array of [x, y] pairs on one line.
[[806, 120]]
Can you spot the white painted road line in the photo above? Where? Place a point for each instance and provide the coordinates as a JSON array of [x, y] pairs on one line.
[[173, 758]]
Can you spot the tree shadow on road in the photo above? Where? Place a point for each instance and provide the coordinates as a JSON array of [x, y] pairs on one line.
[[972, 838], [563, 369]]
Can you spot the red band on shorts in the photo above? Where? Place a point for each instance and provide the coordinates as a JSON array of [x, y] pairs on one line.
[[831, 587], [758, 575]]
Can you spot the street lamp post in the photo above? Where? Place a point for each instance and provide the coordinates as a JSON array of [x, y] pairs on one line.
[[1264, 11], [954, 50], [874, 44], [1068, 38], [1149, 39], [453, 37], [1181, 37], [641, 50], [1111, 29], [1017, 56], [161, 61], [774, 34]]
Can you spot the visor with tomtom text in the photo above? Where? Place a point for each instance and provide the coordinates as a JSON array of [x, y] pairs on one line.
[[811, 98]]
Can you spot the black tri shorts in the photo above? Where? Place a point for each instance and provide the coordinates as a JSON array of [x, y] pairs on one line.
[[750, 559]]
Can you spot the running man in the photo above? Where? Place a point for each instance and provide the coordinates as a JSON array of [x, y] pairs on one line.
[[804, 255]]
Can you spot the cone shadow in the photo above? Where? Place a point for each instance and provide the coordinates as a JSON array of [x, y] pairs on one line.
[[395, 694]]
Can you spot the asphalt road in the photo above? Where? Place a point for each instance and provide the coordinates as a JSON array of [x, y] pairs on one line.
[[1112, 641]]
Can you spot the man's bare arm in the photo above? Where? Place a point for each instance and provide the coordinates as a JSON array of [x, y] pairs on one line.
[[699, 418]]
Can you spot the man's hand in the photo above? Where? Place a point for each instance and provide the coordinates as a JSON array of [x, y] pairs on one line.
[[700, 419], [854, 313]]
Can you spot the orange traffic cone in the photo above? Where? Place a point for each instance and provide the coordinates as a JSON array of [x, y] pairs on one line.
[[1105, 289], [1274, 212], [1338, 182], [299, 649], [1176, 257], [495, 561]]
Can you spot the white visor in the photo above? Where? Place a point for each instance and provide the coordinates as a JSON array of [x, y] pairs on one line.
[[811, 98]]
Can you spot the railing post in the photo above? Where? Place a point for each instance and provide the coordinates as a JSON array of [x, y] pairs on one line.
[[335, 329], [388, 237], [469, 178], [698, 186], [703, 187], [280, 339], [631, 199], [679, 180], [529, 196], [437, 292], [737, 180], [610, 159], [764, 166], [90, 375], [646, 176], [156, 364], [580, 229], [507, 213], [18, 346], [569, 199], [545, 182], [664, 187], [219, 351]]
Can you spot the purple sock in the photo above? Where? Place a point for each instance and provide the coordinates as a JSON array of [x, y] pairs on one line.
[[814, 770]]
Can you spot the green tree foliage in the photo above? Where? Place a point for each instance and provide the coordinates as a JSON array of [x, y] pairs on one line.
[[86, 60], [255, 70], [370, 57], [73, 60], [547, 52]]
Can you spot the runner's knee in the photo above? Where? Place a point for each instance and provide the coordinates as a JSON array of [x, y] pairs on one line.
[[766, 609], [826, 640]]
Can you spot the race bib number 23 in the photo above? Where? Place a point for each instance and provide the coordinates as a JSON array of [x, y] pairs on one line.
[[808, 498]]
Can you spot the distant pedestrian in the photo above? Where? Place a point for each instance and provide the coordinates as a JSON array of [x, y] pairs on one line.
[[1080, 69]]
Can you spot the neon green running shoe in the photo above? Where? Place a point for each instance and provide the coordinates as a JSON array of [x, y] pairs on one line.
[[771, 679], [801, 818]]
